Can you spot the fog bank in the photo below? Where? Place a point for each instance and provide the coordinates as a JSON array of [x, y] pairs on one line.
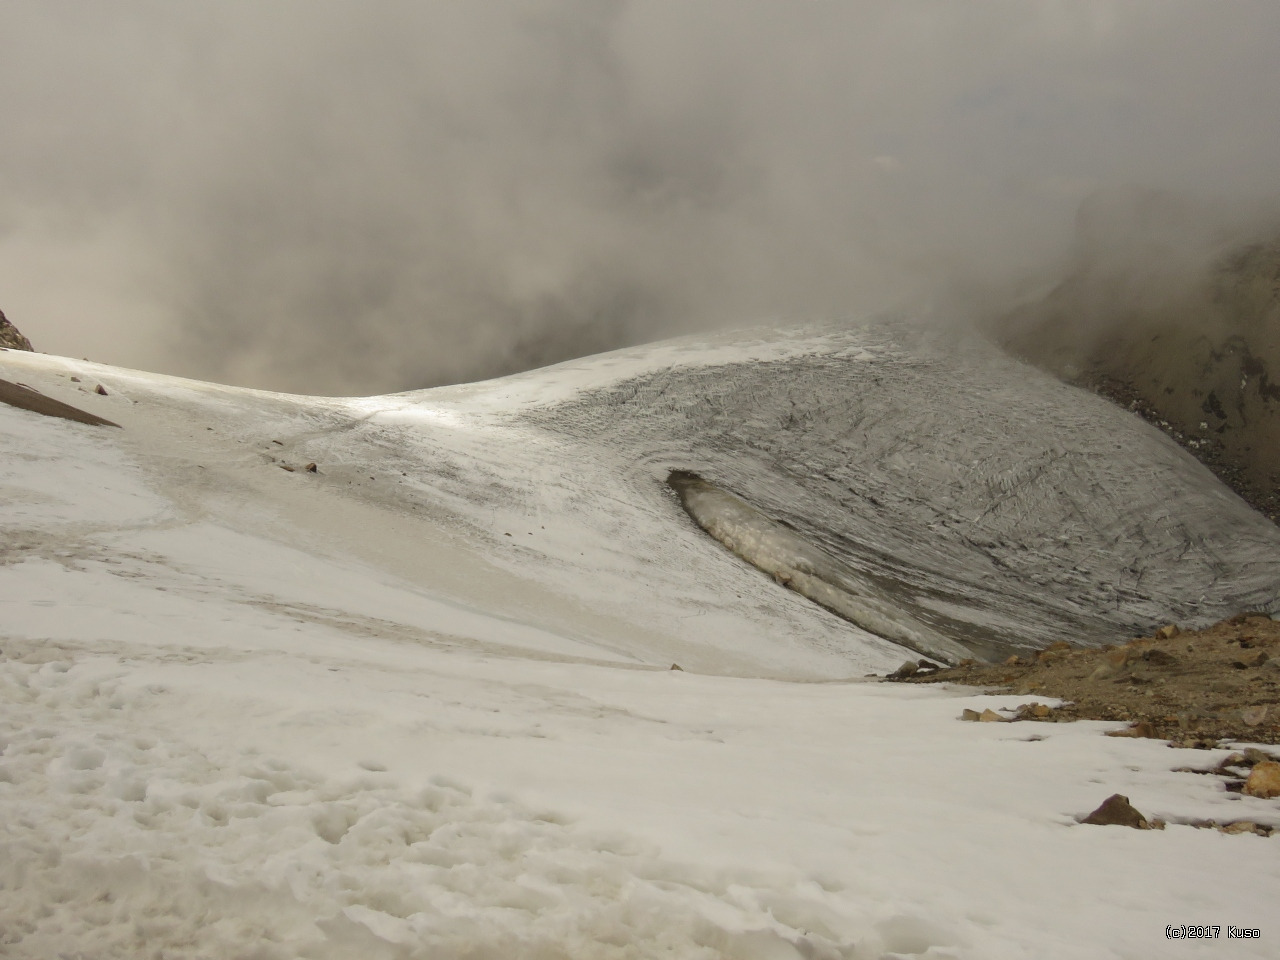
[[331, 198]]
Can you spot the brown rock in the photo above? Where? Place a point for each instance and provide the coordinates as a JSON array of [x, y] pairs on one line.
[[1240, 826], [312, 468], [1033, 711], [100, 390], [1252, 716], [1264, 780], [990, 716], [1140, 729], [1116, 811], [967, 714], [1055, 651], [676, 666], [908, 669], [1197, 743], [1159, 658], [1103, 671], [1112, 663], [11, 337], [1168, 631]]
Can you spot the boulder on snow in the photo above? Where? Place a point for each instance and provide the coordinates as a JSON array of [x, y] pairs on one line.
[[986, 716], [1117, 811], [1264, 780], [1243, 826]]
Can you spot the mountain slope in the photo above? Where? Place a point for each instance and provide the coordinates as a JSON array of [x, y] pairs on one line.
[[417, 703]]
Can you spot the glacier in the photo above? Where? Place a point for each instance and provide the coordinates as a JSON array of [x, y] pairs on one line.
[[418, 702]]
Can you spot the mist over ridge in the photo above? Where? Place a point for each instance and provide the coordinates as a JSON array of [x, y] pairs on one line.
[[326, 198]]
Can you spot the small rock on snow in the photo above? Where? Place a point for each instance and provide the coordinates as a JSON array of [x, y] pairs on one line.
[[1117, 811]]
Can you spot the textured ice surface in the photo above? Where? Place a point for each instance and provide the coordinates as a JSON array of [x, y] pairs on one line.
[[993, 502], [810, 571]]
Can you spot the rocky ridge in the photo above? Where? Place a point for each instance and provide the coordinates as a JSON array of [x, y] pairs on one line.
[[11, 337]]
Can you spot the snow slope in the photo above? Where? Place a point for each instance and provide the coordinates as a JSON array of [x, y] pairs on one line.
[[417, 704]]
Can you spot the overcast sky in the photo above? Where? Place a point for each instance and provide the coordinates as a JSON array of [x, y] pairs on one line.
[[362, 197]]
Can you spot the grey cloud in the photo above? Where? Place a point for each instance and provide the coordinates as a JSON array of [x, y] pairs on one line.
[[330, 197]]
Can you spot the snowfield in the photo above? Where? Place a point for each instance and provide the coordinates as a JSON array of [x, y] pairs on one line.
[[418, 703]]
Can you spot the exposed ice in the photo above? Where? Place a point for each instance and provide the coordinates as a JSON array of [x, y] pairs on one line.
[[806, 569]]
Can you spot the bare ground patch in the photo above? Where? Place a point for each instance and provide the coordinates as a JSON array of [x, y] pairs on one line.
[[1193, 688]]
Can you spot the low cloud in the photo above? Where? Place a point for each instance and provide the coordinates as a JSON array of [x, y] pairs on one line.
[[332, 198]]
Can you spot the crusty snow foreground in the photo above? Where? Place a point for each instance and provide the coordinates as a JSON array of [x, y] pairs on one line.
[[417, 704]]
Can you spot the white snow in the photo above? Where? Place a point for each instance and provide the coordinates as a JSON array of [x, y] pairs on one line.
[[246, 712]]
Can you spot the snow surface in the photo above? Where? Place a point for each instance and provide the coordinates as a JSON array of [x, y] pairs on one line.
[[417, 704]]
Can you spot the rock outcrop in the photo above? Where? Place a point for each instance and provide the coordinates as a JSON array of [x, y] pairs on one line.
[[11, 337], [1196, 688]]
